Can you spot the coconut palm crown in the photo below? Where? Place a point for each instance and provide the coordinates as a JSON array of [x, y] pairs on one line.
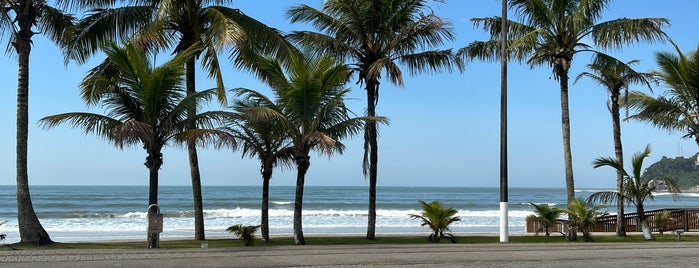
[[377, 38], [144, 105], [678, 107], [551, 33]]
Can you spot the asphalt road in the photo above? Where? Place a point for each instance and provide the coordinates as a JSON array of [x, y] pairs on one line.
[[680, 254]]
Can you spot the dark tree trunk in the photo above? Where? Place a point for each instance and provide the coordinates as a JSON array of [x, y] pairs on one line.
[[371, 140], [302, 164], [266, 177], [562, 73], [619, 154], [30, 229], [154, 161], [194, 160]]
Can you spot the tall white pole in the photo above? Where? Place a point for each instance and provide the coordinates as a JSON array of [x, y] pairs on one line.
[[504, 233]]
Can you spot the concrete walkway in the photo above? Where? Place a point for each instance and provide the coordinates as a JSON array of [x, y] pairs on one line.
[[680, 254]]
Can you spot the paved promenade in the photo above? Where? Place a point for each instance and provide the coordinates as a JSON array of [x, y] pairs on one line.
[[681, 254]]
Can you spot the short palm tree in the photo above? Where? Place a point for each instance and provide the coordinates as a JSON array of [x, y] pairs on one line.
[[266, 141], [144, 105], [635, 190], [20, 20], [546, 216], [616, 76], [246, 233], [162, 24], [374, 37], [438, 218], [582, 217], [662, 220], [310, 107], [551, 33], [676, 109]]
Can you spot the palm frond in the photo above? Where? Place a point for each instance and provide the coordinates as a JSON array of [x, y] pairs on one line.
[[620, 32], [102, 26]]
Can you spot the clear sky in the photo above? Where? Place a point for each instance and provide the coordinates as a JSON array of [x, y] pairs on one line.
[[444, 128]]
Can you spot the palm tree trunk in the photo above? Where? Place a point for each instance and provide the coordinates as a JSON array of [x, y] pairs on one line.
[[370, 139], [567, 156], [266, 177], [618, 152], [153, 162], [30, 229], [647, 234], [194, 160], [302, 164], [643, 221]]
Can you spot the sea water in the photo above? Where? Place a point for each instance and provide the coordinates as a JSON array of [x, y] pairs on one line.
[[99, 213]]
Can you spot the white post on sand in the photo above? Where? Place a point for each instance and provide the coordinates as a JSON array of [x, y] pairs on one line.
[[503, 127]]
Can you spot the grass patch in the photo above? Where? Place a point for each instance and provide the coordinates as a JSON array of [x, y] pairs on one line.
[[348, 240]]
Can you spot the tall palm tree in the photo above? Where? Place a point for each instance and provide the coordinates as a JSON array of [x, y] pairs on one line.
[[266, 141], [678, 108], [162, 24], [310, 107], [19, 22], [551, 33], [616, 76], [374, 37], [144, 105], [635, 190]]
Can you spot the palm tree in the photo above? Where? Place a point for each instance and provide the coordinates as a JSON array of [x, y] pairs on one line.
[[266, 141], [246, 233], [551, 33], [310, 108], [19, 22], [438, 218], [374, 36], [144, 105], [635, 190], [161, 24], [583, 217], [678, 108], [616, 76], [546, 216]]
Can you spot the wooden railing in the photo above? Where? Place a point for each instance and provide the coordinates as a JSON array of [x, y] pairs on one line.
[[686, 219]]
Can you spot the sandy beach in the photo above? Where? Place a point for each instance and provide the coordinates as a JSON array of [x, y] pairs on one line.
[[681, 254]]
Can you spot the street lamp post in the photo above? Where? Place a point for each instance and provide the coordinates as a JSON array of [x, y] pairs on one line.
[[504, 233]]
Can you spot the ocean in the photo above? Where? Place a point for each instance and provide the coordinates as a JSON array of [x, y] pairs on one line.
[[102, 213]]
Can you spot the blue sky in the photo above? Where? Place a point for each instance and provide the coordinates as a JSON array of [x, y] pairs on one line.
[[444, 128]]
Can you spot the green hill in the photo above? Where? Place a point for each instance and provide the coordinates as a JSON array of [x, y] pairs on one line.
[[684, 171]]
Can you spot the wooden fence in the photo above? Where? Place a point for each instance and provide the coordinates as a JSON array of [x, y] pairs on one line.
[[686, 219]]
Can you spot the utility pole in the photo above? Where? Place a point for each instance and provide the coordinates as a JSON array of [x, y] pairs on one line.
[[504, 232]]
